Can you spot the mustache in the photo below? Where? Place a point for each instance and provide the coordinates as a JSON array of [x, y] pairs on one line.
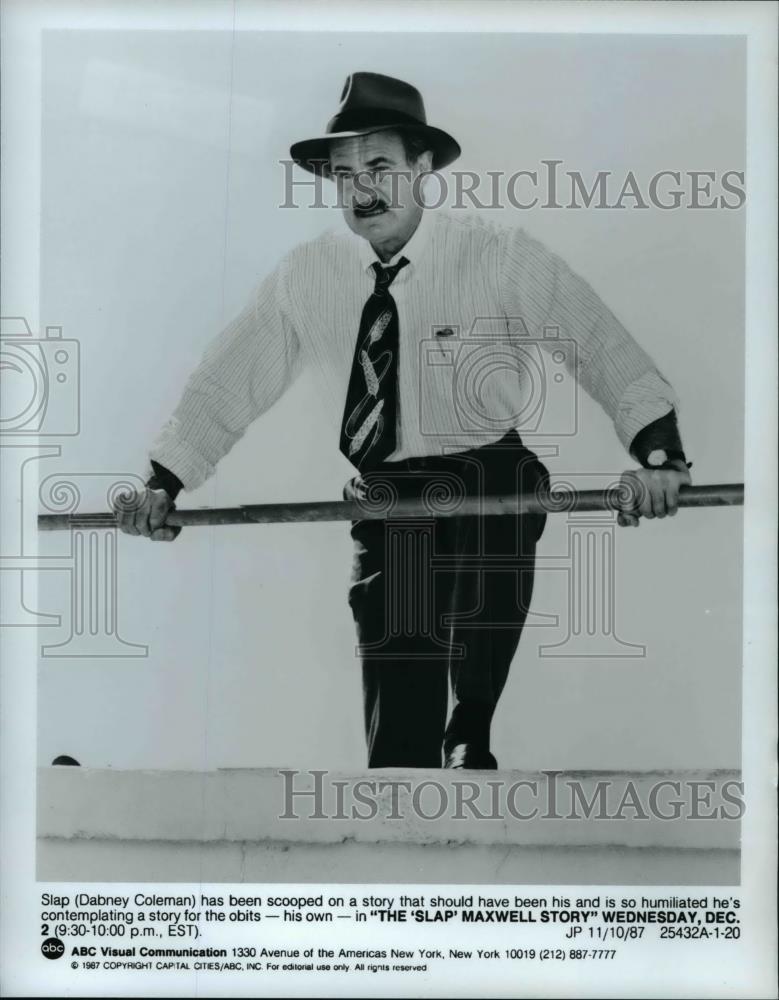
[[374, 206]]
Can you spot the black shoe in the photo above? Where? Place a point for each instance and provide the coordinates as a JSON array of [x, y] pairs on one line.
[[467, 757]]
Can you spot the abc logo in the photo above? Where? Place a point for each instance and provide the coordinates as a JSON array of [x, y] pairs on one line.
[[52, 948]]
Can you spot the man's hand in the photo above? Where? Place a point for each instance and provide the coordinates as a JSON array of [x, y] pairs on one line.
[[651, 493], [145, 514]]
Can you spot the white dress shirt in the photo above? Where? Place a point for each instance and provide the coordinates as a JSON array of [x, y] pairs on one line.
[[495, 332]]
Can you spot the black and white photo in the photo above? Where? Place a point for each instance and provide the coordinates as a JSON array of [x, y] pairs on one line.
[[389, 418]]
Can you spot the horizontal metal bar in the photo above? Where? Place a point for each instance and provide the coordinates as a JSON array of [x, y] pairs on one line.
[[387, 508]]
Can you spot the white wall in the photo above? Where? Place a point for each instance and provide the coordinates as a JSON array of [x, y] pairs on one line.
[[224, 826], [160, 185]]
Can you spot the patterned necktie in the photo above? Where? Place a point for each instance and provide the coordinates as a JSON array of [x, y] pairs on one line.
[[369, 427]]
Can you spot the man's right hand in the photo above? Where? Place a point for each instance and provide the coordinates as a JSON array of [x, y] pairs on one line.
[[145, 514]]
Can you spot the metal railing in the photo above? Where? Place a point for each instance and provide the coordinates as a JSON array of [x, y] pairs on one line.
[[384, 508]]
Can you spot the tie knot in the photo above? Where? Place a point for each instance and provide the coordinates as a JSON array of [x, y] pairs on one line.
[[386, 275]]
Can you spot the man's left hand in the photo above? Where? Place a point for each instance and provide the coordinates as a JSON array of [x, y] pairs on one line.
[[651, 493]]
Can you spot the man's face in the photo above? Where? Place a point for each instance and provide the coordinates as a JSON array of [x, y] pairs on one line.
[[377, 185]]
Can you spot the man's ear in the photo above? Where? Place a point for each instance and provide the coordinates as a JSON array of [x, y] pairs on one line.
[[425, 162]]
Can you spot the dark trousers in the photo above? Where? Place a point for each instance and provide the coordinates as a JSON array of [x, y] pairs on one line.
[[440, 602]]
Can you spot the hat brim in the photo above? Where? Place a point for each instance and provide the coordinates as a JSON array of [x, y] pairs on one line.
[[314, 154]]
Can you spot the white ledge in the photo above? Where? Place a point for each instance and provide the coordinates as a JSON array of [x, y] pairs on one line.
[[248, 806], [227, 826]]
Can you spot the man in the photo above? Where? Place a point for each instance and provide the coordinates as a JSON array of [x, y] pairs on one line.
[[383, 320]]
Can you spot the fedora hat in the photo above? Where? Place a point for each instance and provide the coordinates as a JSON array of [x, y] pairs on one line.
[[371, 102]]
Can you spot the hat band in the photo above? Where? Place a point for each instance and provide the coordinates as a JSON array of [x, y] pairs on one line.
[[367, 118]]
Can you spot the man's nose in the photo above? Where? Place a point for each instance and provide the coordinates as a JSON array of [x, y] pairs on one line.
[[364, 191], [364, 196]]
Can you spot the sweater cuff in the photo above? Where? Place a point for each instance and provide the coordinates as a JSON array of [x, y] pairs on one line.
[[164, 479], [659, 435], [171, 450]]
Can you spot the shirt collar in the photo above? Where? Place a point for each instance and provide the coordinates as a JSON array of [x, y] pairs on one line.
[[412, 251]]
